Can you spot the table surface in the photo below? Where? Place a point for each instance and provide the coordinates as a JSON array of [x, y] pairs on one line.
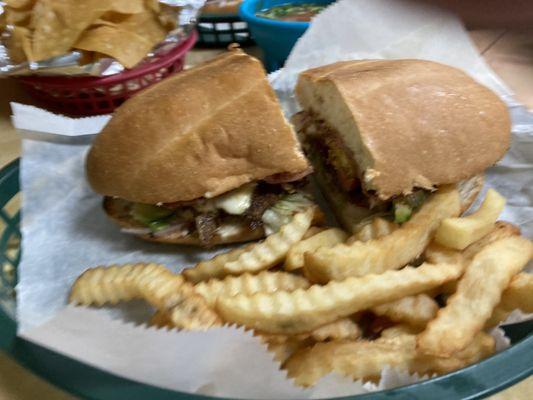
[[509, 53]]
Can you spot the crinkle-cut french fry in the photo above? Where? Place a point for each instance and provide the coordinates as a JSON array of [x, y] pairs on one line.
[[366, 359], [375, 229], [302, 310], [160, 320], [500, 230], [477, 294], [102, 285], [398, 331], [154, 283], [272, 337], [344, 328], [415, 310], [481, 347], [326, 238], [313, 231], [189, 311], [519, 293], [185, 308], [517, 296], [499, 315], [274, 248], [389, 252], [436, 253], [248, 284], [357, 359], [459, 233], [214, 267], [284, 350]]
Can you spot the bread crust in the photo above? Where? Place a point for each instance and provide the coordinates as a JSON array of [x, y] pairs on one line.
[[199, 133], [410, 123]]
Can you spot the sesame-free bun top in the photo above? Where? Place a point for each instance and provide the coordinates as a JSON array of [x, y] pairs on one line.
[[201, 132], [408, 123]]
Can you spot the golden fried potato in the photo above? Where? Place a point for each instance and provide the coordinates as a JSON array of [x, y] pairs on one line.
[[326, 238], [459, 233], [167, 292], [415, 310], [302, 310], [110, 285], [274, 248], [376, 228], [389, 252], [214, 268], [282, 351], [478, 292], [160, 320], [366, 359], [248, 284], [517, 296]]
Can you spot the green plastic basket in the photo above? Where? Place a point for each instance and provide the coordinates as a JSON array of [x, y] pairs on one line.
[[474, 382]]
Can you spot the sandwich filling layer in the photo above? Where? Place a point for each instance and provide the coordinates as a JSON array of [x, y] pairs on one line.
[[338, 172], [258, 208]]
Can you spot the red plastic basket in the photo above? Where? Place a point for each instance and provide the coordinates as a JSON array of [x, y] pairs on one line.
[[82, 96]]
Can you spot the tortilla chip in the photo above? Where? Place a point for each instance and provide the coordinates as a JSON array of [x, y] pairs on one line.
[[127, 47], [153, 5], [126, 6], [146, 25], [20, 4], [19, 45], [103, 21], [17, 17], [59, 23]]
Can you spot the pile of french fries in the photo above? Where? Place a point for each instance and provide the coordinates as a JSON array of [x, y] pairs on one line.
[[322, 300]]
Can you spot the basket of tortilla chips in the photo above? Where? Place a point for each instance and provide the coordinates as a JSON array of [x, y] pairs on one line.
[[87, 57]]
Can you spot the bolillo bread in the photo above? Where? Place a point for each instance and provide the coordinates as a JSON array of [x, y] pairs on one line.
[[199, 133], [409, 123]]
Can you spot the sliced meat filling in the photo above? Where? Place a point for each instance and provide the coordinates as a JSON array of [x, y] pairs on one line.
[[230, 214], [321, 139]]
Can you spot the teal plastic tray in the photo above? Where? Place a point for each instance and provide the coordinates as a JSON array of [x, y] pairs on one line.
[[474, 382]]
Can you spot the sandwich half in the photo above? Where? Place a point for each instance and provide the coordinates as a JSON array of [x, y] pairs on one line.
[[204, 157], [382, 134]]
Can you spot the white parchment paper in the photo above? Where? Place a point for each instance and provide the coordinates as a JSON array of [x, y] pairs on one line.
[[65, 231]]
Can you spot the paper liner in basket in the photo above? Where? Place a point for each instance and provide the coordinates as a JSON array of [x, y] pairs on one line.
[[65, 231]]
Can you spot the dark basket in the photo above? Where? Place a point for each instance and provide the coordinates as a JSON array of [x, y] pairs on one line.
[[83, 96], [474, 382], [222, 30]]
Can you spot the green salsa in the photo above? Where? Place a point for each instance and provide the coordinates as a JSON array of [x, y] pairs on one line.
[[292, 12]]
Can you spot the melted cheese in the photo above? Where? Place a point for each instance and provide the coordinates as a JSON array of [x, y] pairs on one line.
[[237, 201], [227, 230]]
